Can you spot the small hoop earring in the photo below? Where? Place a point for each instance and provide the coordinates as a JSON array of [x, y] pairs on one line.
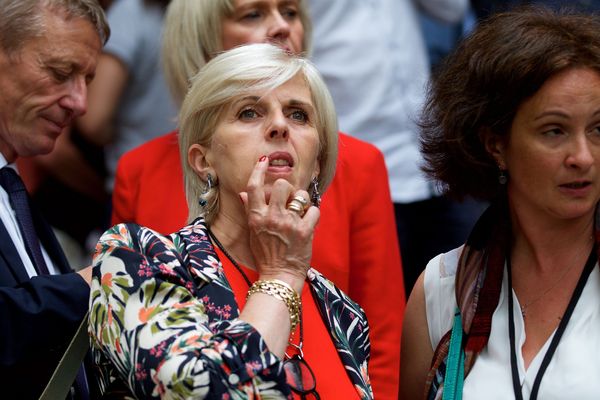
[[503, 177], [209, 185], [315, 196]]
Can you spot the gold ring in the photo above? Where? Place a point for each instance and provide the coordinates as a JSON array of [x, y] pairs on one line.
[[302, 200], [296, 206]]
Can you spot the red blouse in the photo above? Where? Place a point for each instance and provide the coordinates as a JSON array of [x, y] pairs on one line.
[[319, 351]]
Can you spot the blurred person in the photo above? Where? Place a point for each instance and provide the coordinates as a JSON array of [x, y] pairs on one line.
[[220, 309], [355, 242], [129, 101], [513, 312], [373, 58], [484, 8], [48, 55], [441, 37]]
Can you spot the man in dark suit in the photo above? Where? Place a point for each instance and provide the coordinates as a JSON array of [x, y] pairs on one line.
[[48, 55]]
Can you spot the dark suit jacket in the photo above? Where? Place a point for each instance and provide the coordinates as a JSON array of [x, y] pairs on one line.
[[38, 316]]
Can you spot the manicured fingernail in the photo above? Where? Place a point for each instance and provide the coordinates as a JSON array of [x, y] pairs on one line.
[[263, 158], [241, 198]]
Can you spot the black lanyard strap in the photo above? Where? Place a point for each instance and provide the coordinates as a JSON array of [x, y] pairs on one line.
[[589, 266]]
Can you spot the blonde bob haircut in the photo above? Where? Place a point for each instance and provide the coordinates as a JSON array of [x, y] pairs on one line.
[[193, 34], [240, 72]]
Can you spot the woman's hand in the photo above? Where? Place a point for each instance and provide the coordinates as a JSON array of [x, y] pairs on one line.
[[281, 239]]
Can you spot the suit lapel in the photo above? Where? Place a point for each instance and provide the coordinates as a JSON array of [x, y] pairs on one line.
[[10, 256]]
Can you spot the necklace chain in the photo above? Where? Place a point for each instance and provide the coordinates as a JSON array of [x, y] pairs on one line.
[[241, 271], [235, 264], [545, 292], [525, 306]]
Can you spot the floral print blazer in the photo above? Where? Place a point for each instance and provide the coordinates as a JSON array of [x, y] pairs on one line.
[[163, 319]]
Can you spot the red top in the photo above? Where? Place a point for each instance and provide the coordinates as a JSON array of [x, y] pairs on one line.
[[355, 244], [319, 351]]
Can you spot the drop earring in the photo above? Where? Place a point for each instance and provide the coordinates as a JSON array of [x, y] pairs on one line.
[[503, 177], [209, 185], [315, 196]]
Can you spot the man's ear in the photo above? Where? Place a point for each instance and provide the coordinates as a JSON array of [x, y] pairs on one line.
[[495, 145], [199, 162]]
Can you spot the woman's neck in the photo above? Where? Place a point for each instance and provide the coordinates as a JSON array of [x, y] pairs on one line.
[[234, 237], [546, 246]]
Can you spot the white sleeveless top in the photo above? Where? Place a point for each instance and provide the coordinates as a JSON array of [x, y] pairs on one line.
[[573, 372]]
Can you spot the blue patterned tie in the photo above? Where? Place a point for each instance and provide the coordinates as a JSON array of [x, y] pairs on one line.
[[19, 200]]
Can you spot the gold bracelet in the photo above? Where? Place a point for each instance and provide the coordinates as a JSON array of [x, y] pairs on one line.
[[281, 291]]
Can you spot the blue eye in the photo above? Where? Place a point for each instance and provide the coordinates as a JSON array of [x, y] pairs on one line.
[[299, 115], [251, 15], [248, 113], [289, 13]]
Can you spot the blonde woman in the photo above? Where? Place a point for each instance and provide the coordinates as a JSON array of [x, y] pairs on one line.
[[185, 316]]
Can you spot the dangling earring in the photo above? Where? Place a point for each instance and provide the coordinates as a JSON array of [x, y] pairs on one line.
[[209, 185], [315, 196], [502, 177]]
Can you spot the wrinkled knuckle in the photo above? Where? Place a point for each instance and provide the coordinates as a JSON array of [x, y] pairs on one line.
[[291, 226], [305, 233], [252, 186], [255, 219], [270, 221]]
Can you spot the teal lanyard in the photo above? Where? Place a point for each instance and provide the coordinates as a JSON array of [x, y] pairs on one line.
[[455, 366]]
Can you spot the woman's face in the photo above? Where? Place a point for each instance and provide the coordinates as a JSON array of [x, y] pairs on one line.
[[262, 21], [553, 151], [280, 124]]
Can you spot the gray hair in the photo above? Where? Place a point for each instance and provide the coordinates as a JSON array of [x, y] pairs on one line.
[[236, 73], [21, 20], [192, 35]]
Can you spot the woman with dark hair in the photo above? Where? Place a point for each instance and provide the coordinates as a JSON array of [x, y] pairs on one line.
[[514, 118]]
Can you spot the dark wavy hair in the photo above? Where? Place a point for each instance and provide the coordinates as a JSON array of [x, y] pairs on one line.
[[480, 86]]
